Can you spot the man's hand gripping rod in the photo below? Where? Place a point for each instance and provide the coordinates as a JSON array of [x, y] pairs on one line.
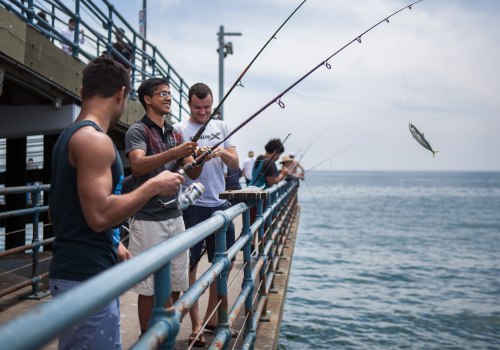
[[193, 192]]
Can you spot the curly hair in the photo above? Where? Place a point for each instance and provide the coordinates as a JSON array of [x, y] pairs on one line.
[[274, 145]]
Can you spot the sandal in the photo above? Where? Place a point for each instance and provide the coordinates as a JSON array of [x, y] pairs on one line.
[[200, 342]]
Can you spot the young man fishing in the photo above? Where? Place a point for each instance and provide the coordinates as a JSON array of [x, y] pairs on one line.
[[265, 171], [200, 101], [85, 204], [152, 147]]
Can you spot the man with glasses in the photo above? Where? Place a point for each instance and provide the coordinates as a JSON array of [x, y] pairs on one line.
[[152, 147]]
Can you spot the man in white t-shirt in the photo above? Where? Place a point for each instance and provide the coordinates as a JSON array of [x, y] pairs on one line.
[[69, 33], [248, 167], [200, 101]]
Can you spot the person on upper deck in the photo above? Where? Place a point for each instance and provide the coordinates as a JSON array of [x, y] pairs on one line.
[[43, 23], [152, 146], [85, 205], [69, 34], [200, 101], [124, 49]]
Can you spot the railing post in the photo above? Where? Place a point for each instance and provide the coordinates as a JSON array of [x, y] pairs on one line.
[[282, 230], [162, 310], [35, 239], [134, 69], [30, 14], [109, 44], [247, 272], [76, 36], [154, 61], [221, 281], [263, 230]]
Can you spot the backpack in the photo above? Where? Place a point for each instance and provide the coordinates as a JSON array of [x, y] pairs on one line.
[[258, 177]]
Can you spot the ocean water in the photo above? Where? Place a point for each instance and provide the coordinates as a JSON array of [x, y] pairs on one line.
[[396, 260]]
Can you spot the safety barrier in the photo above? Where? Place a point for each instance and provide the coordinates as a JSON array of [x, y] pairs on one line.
[[33, 194], [275, 211], [100, 21]]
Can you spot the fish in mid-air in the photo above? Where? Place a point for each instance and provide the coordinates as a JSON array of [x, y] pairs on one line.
[[421, 138]]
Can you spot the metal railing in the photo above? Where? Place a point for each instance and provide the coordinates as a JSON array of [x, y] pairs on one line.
[[34, 192], [276, 209], [100, 21]]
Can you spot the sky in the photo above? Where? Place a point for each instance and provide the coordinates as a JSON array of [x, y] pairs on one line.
[[435, 66]]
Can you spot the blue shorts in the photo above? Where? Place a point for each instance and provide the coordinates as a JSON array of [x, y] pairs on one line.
[[100, 331], [193, 215]]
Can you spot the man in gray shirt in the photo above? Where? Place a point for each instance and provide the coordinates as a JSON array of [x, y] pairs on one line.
[[152, 147]]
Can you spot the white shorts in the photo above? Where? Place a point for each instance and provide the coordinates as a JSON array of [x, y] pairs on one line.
[[145, 234]]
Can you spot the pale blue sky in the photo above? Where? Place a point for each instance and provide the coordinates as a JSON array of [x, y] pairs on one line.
[[435, 65]]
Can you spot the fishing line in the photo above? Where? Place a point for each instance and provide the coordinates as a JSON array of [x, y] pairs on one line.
[[403, 71], [311, 143], [199, 160], [236, 83], [313, 197], [330, 157]]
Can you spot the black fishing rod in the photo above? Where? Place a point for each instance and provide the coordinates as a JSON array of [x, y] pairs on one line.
[[236, 83], [199, 160]]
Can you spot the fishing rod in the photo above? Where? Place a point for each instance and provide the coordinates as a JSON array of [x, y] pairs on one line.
[[311, 143], [262, 172], [200, 159], [236, 83]]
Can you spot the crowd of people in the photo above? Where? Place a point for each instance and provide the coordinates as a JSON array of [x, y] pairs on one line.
[[88, 202]]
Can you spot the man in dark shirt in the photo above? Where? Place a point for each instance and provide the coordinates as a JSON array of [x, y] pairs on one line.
[[152, 146], [85, 202], [265, 171], [122, 52]]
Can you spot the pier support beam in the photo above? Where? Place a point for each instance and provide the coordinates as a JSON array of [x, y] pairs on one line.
[[15, 176]]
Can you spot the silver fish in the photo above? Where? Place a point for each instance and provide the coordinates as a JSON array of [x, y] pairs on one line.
[[421, 138]]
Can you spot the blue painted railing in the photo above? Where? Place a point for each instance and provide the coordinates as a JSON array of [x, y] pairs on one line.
[[100, 21], [276, 209], [35, 192]]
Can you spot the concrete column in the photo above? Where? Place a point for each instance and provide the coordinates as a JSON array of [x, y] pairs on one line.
[[48, 145], [15, 176]]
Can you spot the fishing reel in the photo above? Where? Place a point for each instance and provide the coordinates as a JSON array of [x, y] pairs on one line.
[[184, 200]]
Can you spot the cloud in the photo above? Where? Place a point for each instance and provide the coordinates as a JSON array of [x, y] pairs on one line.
[[435, 65]]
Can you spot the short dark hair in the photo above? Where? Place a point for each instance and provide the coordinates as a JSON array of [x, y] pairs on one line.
[[148, 87], [104, 77], [200, 90], [274, 145]]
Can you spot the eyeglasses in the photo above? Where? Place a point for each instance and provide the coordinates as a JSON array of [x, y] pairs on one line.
[[163, 94]]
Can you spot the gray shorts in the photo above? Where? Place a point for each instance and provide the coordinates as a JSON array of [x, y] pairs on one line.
[[99, 331], [145, 234]]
